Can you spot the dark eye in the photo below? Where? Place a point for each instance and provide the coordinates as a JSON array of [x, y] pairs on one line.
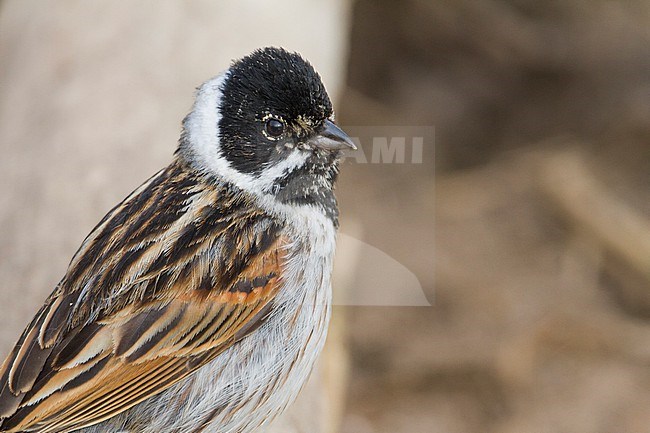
[[274, 127]]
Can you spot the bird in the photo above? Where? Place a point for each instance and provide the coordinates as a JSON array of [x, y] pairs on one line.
[[201, 301]]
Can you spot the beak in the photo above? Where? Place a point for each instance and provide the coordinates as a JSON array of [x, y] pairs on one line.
[[331, 137]]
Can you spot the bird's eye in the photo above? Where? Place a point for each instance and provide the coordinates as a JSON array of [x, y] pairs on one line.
[[274, 127]]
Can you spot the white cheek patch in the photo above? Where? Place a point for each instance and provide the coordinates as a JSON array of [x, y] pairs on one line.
[[265, 180], [202, 128]]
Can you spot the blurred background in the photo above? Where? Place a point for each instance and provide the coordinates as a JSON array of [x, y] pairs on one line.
[[526, 225]]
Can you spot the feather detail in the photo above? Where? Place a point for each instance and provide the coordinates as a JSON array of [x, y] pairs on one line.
[[171, 277]]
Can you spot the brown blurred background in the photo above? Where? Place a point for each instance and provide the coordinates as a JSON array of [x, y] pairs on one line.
[[540, 292], [528, 227]]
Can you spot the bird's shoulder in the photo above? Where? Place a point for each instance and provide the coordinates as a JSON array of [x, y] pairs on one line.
[[175, 226]]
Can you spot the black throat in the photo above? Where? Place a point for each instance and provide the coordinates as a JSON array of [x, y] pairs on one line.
[[311, 184]]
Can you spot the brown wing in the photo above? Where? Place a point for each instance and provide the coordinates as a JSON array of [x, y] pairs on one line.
[[127, 326]]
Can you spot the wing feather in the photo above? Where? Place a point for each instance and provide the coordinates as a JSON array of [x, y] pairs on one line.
[[123, 329]]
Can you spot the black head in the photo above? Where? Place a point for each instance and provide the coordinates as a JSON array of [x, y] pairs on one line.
[[275, 133], [270, 99]]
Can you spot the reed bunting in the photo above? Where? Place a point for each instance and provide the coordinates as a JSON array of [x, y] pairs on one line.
[[201, 301]]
